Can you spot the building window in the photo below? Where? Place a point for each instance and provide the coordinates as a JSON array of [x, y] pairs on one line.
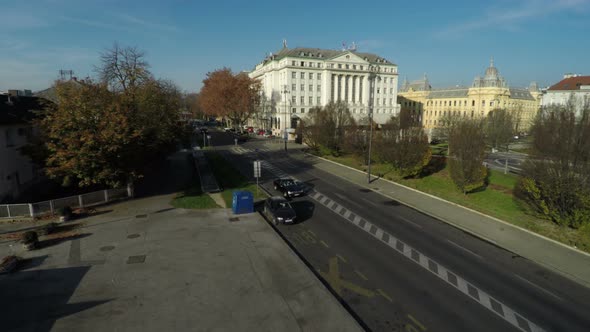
[[302, 64], [303, 110], [302, 100], [483, 103], [319, 76], [473, 103], [294, 110], [311, 76], [378, 90], [391, 90], [294, 75], [319, 100], [361, 67], [339, 66], [347, 66], [311, 88], [353, 66], [293, 99], [491, 103], [445, 103], [293, 87], [311, 100], [319, 88], [302, 75], [455, 103]]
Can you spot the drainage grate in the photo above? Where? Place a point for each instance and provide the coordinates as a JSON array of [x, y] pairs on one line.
[[136, 259], [141, 216], [234, 219], [107, 248], [133, 236]]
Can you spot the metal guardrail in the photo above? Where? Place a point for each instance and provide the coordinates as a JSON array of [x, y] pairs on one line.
[[49, 207]]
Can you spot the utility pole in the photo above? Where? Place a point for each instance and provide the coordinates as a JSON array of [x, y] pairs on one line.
[[372, 75], [285, 92]]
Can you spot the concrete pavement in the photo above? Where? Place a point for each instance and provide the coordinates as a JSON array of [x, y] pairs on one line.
[[569, 262], [144, 265]]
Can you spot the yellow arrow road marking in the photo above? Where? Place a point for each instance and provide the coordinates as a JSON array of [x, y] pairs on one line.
[[333, 278]]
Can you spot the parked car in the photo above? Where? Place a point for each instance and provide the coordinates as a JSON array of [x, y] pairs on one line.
[[229, 129], [250, 129], [242, 137], [260, 132], [268, 134], [279, 210], [289, 187]]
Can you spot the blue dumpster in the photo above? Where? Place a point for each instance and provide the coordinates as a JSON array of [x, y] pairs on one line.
[[242, 202]]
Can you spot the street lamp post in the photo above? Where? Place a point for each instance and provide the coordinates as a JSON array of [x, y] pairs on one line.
[[372, 75], [285, 92]]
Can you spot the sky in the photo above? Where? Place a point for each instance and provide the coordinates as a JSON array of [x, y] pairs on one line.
[[449, 41]]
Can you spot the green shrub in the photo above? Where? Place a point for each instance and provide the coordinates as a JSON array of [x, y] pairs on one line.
[[29, 237]]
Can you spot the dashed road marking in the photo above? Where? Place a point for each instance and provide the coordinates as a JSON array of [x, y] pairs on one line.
[[416, 322], [341, 258], [440, 271], [464, 249], [382, 293], [538, 287], [361, 275], [324, 244]]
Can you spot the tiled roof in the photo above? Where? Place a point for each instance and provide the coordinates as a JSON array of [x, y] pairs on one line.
[[316, 53], [20, 109], [572, 83], [448, 93], [521, 94]]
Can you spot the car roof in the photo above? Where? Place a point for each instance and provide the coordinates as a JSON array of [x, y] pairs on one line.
[[278, 198]]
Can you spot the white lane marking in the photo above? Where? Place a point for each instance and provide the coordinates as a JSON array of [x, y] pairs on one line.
[[464, 249], [483, 298], [370, 202], [538, 287], [409, 221]]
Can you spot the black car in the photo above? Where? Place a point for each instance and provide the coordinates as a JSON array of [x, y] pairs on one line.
[[279, 210], [289, 187]]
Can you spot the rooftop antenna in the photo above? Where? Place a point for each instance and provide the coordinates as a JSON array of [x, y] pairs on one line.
[[63, 73], [352, 47], [284, 43], [344, 46]]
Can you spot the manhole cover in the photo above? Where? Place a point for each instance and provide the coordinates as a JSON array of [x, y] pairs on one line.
[[141, 216], [107, 248], [132, 236], [234, 219], [136, 259]]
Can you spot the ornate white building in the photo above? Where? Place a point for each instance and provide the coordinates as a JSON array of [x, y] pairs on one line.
[[573, 90], [296, 80]]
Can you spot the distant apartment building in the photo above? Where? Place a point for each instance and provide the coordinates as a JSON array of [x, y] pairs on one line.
[[296, 80], [17, 172], [572, 91], [430, 106]]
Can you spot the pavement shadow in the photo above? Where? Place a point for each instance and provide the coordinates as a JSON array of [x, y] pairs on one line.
[[31, 262], [34, 300], [56, 239], [303, 209]]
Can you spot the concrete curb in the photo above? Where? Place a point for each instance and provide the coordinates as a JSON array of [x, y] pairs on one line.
[[460, 206]]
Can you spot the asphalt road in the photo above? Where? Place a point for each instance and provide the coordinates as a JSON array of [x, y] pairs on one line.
[[497, 161], [389, 291]]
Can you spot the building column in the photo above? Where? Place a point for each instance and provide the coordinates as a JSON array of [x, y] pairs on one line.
[[342, 86], [366, 91], [350, 79]]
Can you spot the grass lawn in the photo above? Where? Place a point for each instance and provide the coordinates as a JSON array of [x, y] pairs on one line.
[[193, 198], [496, 200], [230, 179]]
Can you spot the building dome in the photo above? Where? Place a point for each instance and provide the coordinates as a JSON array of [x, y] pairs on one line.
[[491, 72]]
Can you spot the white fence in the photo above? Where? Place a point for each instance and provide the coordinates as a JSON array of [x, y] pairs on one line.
[[49, 207]]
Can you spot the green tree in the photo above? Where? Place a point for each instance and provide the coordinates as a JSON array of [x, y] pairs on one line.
[[556, 175], [404, 147], [326, 127], [499, 128], [466, 155]]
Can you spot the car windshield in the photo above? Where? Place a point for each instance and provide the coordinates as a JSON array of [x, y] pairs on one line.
[[284, 205]]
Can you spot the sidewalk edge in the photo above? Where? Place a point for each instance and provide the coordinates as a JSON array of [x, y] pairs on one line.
[[466, 208]]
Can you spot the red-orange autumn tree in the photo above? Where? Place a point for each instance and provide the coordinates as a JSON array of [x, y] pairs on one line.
[[232, 96]]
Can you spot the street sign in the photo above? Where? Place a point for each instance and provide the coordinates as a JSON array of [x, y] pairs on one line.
[[257, 169]]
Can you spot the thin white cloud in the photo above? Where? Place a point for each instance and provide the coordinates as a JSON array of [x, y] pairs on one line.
[[146, 24], [14, 19], [513, 14], [93, 23]]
